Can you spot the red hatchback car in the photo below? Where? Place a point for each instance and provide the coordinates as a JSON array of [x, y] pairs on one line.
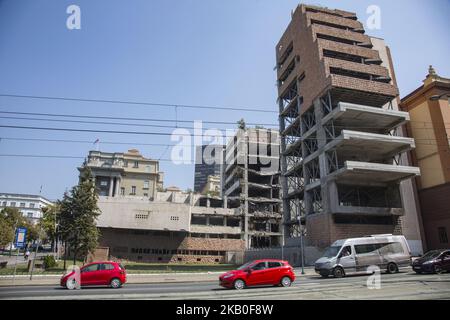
[[96, 274], [259, 273]]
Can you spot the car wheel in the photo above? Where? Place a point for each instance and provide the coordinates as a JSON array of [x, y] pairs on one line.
[[286, 282], [338, 272], [71, 284], [418, 272], [115, 283], [437, 269], [392, 268], [239, 284]]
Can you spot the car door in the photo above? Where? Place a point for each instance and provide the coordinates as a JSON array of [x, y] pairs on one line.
[[108, 272], [89, 274], [445, 261], [346, 259], [274, 272], [367, 255], [257, 274]]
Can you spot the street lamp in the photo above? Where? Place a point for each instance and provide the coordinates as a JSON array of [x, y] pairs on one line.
[[438, 97], [301, 242]]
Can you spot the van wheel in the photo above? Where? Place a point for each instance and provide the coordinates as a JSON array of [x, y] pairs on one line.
[[338, 272], [239, 284], [115, 283], [392, 268]]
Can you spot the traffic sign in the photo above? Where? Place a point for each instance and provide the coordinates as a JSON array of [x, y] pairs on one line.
[[21, 236]]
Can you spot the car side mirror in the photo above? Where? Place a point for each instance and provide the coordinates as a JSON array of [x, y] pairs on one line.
[[249, 270]]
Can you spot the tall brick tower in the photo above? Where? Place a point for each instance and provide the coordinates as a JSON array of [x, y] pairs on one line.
[[343, 155]]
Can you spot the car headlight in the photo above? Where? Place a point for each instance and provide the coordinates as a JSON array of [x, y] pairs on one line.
[[428, 262], [228, 276]]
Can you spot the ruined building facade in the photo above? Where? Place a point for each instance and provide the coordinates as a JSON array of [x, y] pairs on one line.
[[251, 185], [342, 150]]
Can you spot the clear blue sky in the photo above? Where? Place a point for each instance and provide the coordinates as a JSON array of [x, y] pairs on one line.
[[209, 52]]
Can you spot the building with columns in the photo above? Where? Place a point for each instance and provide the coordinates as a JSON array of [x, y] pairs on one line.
[[429, 109], [124, 174]]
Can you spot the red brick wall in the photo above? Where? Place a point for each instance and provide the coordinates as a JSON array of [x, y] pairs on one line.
[[121, 241], [322, 231]]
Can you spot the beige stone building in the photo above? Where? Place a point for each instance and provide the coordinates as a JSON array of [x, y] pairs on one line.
[[212, 185], [429, 109], [124, 174]]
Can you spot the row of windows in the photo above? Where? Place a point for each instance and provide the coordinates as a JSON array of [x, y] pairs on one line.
[[175, 251], [21, 204], [384, 248]]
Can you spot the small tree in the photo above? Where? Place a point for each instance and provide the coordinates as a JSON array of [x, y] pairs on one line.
[[6, 230], [12, 218], [50, 217], [78, 214]]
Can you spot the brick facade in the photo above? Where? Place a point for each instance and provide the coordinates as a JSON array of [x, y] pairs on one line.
[[166, 247], [322, 230]]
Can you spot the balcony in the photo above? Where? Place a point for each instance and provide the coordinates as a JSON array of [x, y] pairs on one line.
[[348, 35], [370, 146], [344, 48], [366, 173], [333, 21]]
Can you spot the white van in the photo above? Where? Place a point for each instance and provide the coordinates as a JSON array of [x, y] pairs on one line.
[[355, 255]]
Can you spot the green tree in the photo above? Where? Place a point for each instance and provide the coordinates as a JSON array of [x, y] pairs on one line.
[[6, 230], [12, 218], [50, 217], [78, 215]]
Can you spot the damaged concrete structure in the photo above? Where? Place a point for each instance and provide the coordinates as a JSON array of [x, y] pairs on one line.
[[140, 223], [344, 169], [251, 185], [176, 227]]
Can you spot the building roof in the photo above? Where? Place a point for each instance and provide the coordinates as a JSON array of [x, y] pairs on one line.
[[24, 195]]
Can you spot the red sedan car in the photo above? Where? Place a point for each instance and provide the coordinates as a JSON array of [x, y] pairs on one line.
[[96, 274], [258, 273]]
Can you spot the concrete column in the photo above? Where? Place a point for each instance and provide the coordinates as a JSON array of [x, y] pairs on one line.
[[225, 202], [117, 189], [225, 219], [111, 184]]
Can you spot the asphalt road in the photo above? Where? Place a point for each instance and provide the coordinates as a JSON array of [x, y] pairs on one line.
[[404, 285]]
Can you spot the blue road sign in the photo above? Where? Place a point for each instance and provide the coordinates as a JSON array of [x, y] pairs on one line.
[[21, 236]]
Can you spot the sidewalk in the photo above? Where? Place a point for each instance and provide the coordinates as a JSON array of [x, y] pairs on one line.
[[24, 280]]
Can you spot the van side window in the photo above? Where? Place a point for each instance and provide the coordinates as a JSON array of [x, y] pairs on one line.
[[365, 248], [396, 248]]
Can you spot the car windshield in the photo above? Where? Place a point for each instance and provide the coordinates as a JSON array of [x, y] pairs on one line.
[[431, 254], [331, 252], [245, 266]]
